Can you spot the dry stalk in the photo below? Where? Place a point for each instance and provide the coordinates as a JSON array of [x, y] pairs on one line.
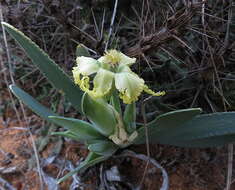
[[173, 27]]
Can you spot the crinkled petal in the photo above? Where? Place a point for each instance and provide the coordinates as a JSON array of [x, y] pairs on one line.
[[82, 82], [129, 85], [85, 85], [114, 57], [102, 82], [149, 91], [76, 75], [126, 60], [86, 65]]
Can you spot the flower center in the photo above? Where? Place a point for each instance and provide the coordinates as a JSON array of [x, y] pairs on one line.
[[113, 57]]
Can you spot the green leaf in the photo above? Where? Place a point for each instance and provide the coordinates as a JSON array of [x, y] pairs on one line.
[[100, 113], [83, 130], [208, 129], [91, 160], [53, 73], [129, 117], [67, 134], [115, 102], [164, 125], [205, 142], [202, 131], [106, 148], [33, 104], [82, 51]]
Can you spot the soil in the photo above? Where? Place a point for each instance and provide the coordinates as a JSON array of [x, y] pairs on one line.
[[15, 152], [188, 169]]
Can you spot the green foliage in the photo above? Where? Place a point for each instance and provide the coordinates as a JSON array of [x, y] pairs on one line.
[[115, 102], [33, 104], [67, 134], [206, 130], [90, 160], [100, 113], [53, 73], [186, 128], [83, 130], [129, 117], [165, 124], [105, 148]]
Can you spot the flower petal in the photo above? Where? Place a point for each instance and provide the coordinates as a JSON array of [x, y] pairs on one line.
[[76, 75], [124, 68], [114, 57], [102, 82], [126, 60], [86, 65], [149, 91], [82, 82], [129, 85]]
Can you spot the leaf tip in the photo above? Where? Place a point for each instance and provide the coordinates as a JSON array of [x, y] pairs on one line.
[[58, 182], [4, 23], [11, 87], [7, 25], [199, 109]]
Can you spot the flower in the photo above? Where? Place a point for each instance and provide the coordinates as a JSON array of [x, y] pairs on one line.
[[112, 70]]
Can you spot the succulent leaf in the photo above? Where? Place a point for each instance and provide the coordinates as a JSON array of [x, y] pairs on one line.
[[106, 148], [32, 103], [83, 130], [67, 134], [48, 67], [90, 160], [100, 113], [129, 117], [165, 125]]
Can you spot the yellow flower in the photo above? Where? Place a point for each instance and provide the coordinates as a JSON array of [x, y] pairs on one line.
[[112, 70], [115, 57]]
